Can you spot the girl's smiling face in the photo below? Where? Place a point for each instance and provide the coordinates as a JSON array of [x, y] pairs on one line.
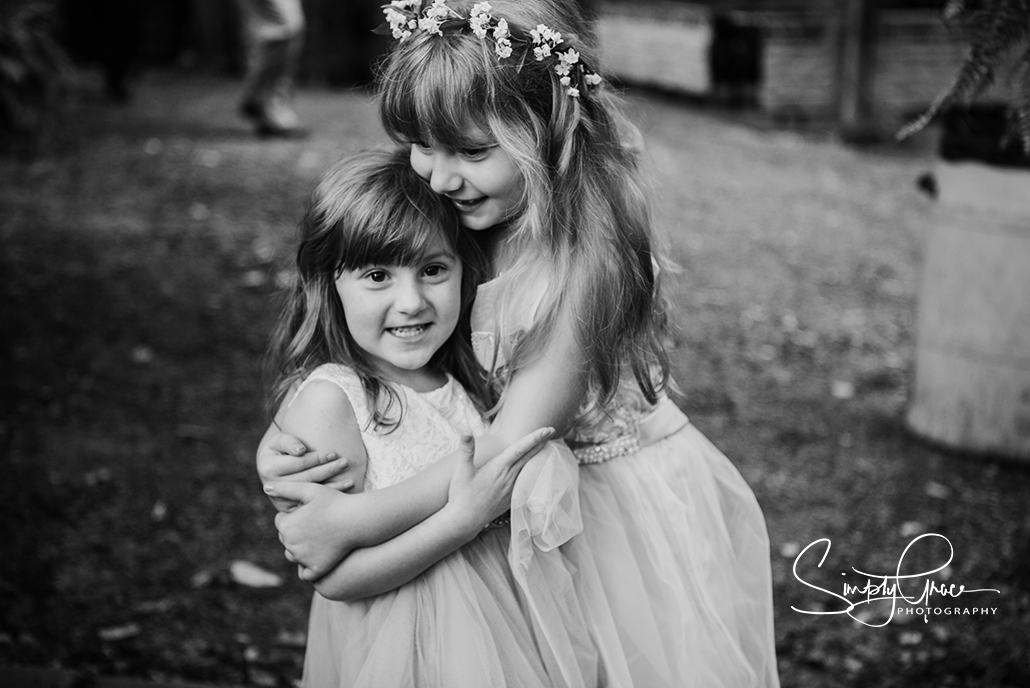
[[481, 180], [400, 315]]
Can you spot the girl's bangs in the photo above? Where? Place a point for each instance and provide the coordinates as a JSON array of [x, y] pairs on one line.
[[437, 93], [398, 230], [374, 209]]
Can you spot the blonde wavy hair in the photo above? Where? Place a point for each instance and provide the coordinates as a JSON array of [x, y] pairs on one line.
[[584, 216]]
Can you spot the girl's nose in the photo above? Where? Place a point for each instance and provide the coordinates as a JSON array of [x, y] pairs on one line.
[[444, 177], [410, 298]]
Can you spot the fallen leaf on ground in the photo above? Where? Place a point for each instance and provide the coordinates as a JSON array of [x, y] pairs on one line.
[[253, 576], [910, 528], [142, 355], [291, 638], [115, 633], [842, 389], [790, 550], [253, 278]]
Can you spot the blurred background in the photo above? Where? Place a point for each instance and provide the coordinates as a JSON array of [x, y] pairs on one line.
[[851, 321]]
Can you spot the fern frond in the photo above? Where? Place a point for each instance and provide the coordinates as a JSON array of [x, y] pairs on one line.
[[994, 28]]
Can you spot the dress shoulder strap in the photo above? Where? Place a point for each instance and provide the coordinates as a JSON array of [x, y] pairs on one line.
[[348, 381]]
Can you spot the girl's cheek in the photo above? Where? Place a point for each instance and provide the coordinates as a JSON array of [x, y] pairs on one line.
[[420, 162]]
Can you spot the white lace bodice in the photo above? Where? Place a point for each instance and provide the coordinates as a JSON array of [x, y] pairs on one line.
[[430, 428]]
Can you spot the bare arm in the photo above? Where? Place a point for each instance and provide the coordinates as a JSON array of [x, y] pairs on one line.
[[546, 392], [321, 417], [474, 497]]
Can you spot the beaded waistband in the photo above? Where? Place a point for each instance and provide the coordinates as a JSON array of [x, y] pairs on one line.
[[606, 451], [663, 421]]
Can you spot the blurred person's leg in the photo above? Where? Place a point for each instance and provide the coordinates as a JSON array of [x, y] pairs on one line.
[[274, 31]]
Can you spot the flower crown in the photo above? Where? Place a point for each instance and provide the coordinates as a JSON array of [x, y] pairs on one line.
[[406, 16]]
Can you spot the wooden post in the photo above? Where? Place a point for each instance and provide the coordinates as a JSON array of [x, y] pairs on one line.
[[855, 49], [972, 377]]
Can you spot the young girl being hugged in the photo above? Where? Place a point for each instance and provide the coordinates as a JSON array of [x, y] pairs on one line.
[[507, 117], [375, 361]]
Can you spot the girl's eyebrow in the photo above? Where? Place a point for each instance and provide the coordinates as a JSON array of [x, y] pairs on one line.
[[437, 255]]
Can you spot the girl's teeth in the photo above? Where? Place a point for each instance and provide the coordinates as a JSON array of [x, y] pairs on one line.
[[409, 331]]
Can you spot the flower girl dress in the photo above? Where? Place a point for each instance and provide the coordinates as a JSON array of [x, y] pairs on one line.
[[465, 622], [674, 545]]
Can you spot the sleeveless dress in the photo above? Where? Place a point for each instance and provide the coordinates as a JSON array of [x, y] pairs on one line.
[[674, 545], [464, 623]]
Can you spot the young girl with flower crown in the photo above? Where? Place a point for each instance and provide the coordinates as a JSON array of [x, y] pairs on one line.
[[373, 350], [507, 118]]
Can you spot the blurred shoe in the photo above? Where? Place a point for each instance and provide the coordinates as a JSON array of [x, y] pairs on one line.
[[274, 119]]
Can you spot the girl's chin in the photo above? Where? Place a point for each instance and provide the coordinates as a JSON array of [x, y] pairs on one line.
[[484, 224], [477, 225]]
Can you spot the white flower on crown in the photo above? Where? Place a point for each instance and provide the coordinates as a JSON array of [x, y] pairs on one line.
[[542, 34], [501, 30], [397, 22], [439, 10], [503, 48], [479, 18], [403, 18], [479, 25], [430, 25]]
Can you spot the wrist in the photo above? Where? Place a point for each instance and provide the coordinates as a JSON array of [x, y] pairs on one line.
[[488, 445], [465, 524]]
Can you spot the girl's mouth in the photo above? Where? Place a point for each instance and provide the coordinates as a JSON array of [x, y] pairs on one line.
[[469, 205], [408, 332]]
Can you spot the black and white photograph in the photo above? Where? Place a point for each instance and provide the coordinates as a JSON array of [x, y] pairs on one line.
[[515, 343]]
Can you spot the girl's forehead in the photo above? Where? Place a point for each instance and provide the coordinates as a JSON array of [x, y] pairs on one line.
[[455, 134], [462, 136]]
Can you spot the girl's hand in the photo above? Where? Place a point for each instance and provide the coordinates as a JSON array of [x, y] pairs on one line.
[[283, 457], [479, 495], [307, 529]]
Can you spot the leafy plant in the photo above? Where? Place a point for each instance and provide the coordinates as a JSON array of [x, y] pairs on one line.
[[33, 67], [996, 29]]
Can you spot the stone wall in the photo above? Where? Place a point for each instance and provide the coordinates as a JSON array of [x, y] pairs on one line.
[[667, 45], [662, 45]]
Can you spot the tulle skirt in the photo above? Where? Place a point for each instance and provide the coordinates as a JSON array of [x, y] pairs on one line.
[[666, 585], [461, 624], [674, 547]]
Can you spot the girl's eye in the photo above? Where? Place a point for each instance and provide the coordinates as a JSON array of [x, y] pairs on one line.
[[422, 146], [434, 270], [377, 276], [477, 153]]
